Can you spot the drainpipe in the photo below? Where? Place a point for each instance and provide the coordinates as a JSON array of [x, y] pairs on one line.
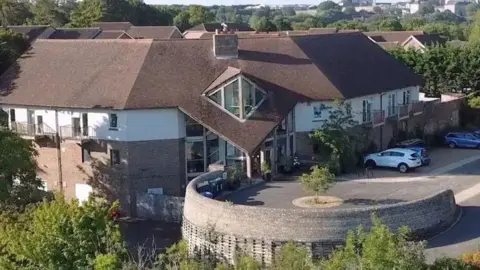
[[59, 152], [381, 127]]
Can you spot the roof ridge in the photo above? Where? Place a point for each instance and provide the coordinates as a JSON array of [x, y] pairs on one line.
[[144, 40]]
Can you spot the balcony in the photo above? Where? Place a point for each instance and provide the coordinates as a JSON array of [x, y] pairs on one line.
[[31, 130], [77, 133], [417, 107], [378, 117], [403, 111], [392, 113]]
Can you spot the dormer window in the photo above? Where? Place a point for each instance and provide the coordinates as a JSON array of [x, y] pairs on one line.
[[239, 97]]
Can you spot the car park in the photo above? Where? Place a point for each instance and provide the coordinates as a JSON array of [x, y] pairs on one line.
[[418, 146], [462, 139], [403, 159]]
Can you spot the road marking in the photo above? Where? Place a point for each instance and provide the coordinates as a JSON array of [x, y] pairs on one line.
[[467, 193]]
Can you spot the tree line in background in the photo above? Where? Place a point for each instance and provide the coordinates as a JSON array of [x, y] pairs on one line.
[[71, 13]]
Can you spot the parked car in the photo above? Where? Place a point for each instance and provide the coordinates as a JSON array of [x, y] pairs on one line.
[[462, 139], [418, 146], [401, 158]]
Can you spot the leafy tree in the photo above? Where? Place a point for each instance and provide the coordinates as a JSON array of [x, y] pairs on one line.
[[349, 24], [426, 8], [377, 10], [16, 42], [472, 9], [327, 5], [474, 37], [18, 182], [349, 10], [87, 12], [48, 12], [378, 249], [292, 257], [318, 181], [281, 23], [445, 16], [14, 12], [61, 235], [199, 14], [341, 144], [288, 11], [413, 23], [390, 24], [262, 24], [182, 21]]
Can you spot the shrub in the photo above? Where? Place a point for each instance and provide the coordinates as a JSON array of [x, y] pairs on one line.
[[292, 257], [450, 264], [319, 180], [472, 258]]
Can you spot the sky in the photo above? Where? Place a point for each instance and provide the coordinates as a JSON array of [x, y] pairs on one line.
[[230, 2]]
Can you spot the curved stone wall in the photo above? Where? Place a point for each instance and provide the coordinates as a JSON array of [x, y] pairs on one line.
[[221, 229]]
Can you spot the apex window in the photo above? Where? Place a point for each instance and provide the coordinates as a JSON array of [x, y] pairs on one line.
[[239, 97]]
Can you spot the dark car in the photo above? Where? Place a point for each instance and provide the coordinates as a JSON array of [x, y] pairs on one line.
[[418, 146]]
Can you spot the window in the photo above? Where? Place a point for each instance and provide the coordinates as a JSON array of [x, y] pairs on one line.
[[391, 104], [367, 111], [385, 154], [113, 121], [86, 155], [406, 97], [195, 157], [317, 112], [12, 115], [193, 128], [397, 154], [114, 157], [239, 102], [452, 136], [232, 103]]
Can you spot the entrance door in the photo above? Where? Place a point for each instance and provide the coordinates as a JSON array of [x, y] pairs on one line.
[[76, 130], [30, 122], [84, 124], [40, 124]]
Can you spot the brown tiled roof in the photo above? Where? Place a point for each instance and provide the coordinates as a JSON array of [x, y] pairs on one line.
[[75, 73], [392, 36], [154, 32], [74, 33], [430, 39], [229, 73], [110, 34], [113, 25], [32, 31], [317, 31], [130, 74], [211, 27]]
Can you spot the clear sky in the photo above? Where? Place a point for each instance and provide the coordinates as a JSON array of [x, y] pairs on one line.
[[231, 2]]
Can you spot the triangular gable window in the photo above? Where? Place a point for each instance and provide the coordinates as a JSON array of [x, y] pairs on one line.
[[240, 97]]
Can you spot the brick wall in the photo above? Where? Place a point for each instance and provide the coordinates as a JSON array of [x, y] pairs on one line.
[[146, 164], [215, 227]]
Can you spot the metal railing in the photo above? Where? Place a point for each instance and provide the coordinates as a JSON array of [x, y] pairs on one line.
[[392, 112], [27, 129], [378, 117], [417, 106], [403, 111], [77, 132]]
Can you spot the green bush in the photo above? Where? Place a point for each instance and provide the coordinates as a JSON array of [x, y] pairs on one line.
[[450, 264]]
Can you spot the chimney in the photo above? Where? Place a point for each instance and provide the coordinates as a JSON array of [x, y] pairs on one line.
[[225, 44]]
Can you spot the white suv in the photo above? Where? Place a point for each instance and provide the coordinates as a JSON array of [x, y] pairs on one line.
[[400, 158]]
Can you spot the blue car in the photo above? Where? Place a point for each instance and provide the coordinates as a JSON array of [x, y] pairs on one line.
[[418, 146], [462, 139]]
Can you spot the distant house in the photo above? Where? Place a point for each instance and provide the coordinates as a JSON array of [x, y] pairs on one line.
[[197, 31], [405, 39], [113, 34], [422, 41], [457, 7], [75, 33]]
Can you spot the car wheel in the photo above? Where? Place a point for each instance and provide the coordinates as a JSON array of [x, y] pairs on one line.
[[403, 168], [452, 145], [370, 164]]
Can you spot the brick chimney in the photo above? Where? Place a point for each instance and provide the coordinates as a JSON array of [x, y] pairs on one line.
[[225, 44]]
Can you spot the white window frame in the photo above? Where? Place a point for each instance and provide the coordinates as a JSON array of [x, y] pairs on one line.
[[319, 109], [406, 97], [391, 103], [367, 116], [240, 79]]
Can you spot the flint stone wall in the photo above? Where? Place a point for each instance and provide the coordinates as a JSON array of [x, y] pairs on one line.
[[218, 229]]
